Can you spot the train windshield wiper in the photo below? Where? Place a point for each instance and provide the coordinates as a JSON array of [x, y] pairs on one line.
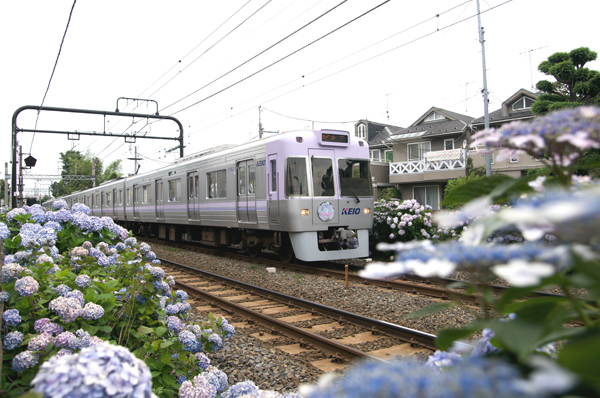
[[355, 197]]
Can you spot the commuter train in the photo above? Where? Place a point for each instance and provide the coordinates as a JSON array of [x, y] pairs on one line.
[[306, 194]]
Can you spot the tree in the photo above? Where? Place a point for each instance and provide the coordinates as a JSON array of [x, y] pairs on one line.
[[574, 85], [76, 163]]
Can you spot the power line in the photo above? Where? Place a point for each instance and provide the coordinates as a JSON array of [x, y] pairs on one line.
[[208, 49], [260, 53], [53, 70], [308, 120]]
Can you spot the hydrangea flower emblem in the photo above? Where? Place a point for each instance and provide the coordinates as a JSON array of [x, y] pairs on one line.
[[326, 211]]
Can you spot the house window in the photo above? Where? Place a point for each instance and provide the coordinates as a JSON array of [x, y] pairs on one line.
[[389, 155], [434, 116], [448, 144], [523, 103], [417, 150], [362, 131], [375, 155], [175, 190], [514, 158], [428, 195]]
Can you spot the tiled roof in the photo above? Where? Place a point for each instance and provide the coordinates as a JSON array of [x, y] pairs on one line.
[[453, 123]]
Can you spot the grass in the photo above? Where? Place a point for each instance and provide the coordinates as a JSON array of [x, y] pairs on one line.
[[298, 277], [171, 249], [253, 266]]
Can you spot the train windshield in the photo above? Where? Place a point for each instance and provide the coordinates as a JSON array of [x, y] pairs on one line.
[[322, 174], [296, 179], [355, 177]]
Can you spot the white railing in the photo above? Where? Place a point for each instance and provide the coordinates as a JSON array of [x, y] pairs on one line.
[[449, 160]]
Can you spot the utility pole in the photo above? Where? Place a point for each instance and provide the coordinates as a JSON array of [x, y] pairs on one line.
[[488, 157], [136, 167], [21, 176], [6, 190], [260, 127], [93, 172]]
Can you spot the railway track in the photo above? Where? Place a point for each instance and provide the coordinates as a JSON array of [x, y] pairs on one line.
[[311, 326]]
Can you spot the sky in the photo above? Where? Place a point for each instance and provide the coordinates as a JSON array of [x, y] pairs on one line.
[[213, 64]]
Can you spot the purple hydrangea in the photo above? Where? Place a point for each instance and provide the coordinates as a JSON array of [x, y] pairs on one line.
[[103, 261], [62, 340], [24, 360], [76, 294], [102, 370], [62, 352], [59, 204], [200, 388], [83, 281], [39, 342], [67, 308], [26, 286], [12, 340], [80, 340], [203, 361], [10, 271], [174, 324], [11, 317], [92, 312]]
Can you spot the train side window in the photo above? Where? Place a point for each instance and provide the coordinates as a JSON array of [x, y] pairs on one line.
[[273, 175], [222, 183], [296, 178], [241, 180], [129, 196], [175, 190], [251, 179], [146, 194], [120, 196], [216, 184], [108, 198]]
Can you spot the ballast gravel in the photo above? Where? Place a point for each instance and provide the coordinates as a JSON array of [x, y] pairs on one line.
[[245, 357]]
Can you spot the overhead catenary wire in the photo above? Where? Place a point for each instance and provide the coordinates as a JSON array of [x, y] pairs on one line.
[[53, 70], [308, 120], [264, 51]]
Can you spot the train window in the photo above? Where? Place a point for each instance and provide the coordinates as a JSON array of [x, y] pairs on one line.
[[175, 190], [146, 194], [251, 179], [108, 198], [322, 174], [216, 184], [355, 177], [273, 175], [241, 180], [129, 196], [296, 179], [120, 196]]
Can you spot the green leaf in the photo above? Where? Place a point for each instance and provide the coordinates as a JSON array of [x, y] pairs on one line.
[[145, 330], [168, 379], [168, 392], [165, 357], [166, 344], [153, 364], [580, 356], [156, 345], [474, 189], [446, 337], [160, 330], [105, 329]]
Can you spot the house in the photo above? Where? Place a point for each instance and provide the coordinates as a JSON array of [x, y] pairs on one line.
[[428, 153], [376, 136], [516, 108]]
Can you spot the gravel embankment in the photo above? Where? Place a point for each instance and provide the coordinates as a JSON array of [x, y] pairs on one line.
[[246, 357]]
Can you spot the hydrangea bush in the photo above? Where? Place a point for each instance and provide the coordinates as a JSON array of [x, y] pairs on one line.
[[555, 222], [72, 284]]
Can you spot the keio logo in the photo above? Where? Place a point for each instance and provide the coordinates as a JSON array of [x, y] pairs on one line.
[[351, 211]]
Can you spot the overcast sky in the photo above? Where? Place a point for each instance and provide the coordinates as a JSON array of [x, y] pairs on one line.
[[390, 66]]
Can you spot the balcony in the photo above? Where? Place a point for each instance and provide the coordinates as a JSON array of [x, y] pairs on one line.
[[450, 160]]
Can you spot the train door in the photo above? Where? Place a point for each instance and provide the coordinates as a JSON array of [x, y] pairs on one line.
[[136, 201], [158, 194], [193, 196], [246, 184], [114, 202], [272, 190], [323, 170]]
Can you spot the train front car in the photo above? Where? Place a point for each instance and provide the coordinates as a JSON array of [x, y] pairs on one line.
[[319, 191]]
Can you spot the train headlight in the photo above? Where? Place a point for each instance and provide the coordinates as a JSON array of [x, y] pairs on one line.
[[304, 212], [367, 210]]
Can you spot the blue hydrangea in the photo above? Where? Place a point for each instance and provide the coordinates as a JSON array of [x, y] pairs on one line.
[[156, 262], [140, 299], [131, 242], [229, 330], [4, 231], [150, 256], [59, 204], [118, 373], [181, 379], [217, 342], [83, 281], [156, 272], [144, 248], [76, 294], [26, 286], [174, 324], [92, 312], [62, 289], [4, 296], [12, 340], [483, 346], [24, 360], [188, 339], [11, 317], [243, 388], [223, 383], [103, 261], [62, 352], [62, 340], [120, 247], [38, 216], [181, 295], [80, 208], [10, 271], [203, 361], [10, 216]]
